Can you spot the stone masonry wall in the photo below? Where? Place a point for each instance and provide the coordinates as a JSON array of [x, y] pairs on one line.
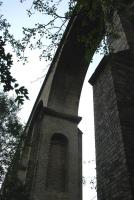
[[123, 76], [113, 181]]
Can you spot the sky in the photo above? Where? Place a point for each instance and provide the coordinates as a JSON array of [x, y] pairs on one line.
[[32, 75]]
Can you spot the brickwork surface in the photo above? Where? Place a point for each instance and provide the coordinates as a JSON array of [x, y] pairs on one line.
[[114, 127]]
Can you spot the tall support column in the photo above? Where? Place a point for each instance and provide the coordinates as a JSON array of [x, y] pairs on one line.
[[56, 173], [54, 170], [113, 89]]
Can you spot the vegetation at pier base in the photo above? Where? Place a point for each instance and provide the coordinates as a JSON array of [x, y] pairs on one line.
[[10, 132]]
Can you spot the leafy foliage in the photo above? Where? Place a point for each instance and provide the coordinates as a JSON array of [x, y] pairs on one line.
[[6, 79], [52, 30], [46, 36], [10, 132]]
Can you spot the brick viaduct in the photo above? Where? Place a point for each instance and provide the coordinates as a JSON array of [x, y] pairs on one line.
[[50, 163]]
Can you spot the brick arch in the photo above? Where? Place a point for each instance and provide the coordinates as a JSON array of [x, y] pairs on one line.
[[70, 69], [60, 93]]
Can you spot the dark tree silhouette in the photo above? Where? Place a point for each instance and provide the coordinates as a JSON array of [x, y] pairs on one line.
[[10, 132]]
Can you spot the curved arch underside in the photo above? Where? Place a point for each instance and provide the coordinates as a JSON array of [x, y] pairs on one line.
[[56, 111], [62, 87], [60, 95]]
